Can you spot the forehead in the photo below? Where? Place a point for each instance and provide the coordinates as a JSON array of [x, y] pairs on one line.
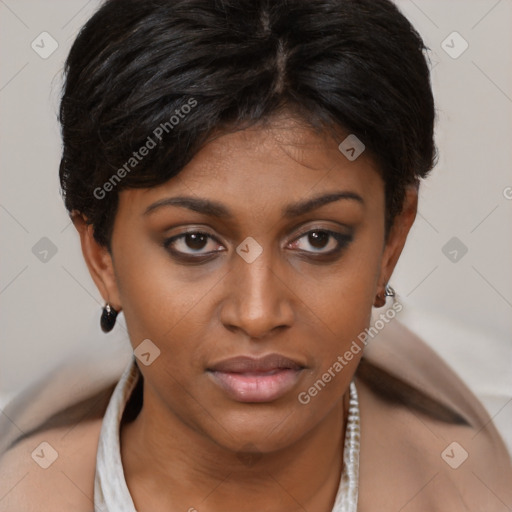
[[265, 167]]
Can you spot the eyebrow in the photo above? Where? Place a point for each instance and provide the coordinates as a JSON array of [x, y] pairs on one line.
[[216, 209]]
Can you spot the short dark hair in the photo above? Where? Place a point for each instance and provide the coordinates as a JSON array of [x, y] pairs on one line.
[[217, 65]]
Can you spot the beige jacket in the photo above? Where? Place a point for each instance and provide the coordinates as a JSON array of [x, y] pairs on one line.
[[427, 443]]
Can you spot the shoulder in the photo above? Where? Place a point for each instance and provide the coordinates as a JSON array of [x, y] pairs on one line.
[[411, 461], [424, 435], [52, 470]]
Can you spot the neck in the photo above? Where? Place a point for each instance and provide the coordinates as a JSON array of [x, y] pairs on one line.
[[189, 471]]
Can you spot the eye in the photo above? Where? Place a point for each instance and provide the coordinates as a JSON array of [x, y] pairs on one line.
[[193, 242], [322, 241]]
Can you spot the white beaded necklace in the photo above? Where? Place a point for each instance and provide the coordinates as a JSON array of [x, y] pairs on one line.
[[346, 499]]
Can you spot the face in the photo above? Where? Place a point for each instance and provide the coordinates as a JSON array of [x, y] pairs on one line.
[[278, 250]]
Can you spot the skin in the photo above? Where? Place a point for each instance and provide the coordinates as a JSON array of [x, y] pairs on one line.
[[290, 300]]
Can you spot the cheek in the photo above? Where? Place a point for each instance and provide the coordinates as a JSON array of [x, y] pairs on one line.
[[344, 301], [159, 301]]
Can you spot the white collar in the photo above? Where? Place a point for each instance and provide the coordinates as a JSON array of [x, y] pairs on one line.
[[111, 493]]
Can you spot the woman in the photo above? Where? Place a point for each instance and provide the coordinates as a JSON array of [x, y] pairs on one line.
[[243, 177]]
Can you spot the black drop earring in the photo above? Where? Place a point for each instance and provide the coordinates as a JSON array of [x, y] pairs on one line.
[[108, 318]]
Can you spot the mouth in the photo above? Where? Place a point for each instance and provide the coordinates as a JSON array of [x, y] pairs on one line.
[[249, 379]]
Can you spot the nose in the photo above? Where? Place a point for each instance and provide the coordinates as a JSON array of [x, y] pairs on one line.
[[258, 299]]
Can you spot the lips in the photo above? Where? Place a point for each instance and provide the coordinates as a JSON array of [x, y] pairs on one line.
[[249, 379], [244, 364]]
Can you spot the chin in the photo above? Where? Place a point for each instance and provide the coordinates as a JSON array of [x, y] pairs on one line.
[[259, 431]]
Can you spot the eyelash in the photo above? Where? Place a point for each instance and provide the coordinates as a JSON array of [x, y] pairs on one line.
[[343, 240]]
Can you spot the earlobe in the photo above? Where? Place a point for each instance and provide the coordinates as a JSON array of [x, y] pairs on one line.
[[396, 241], [380, 298], [98, 260]]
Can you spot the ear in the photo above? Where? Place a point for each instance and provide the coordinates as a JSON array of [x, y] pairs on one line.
[[396, 241], [99, 261]]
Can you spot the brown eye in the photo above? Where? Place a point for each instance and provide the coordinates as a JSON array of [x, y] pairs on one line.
[[322, 241], [318, 239], [193, 242]]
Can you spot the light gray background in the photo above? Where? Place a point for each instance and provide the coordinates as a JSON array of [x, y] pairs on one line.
[[51, 309]]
